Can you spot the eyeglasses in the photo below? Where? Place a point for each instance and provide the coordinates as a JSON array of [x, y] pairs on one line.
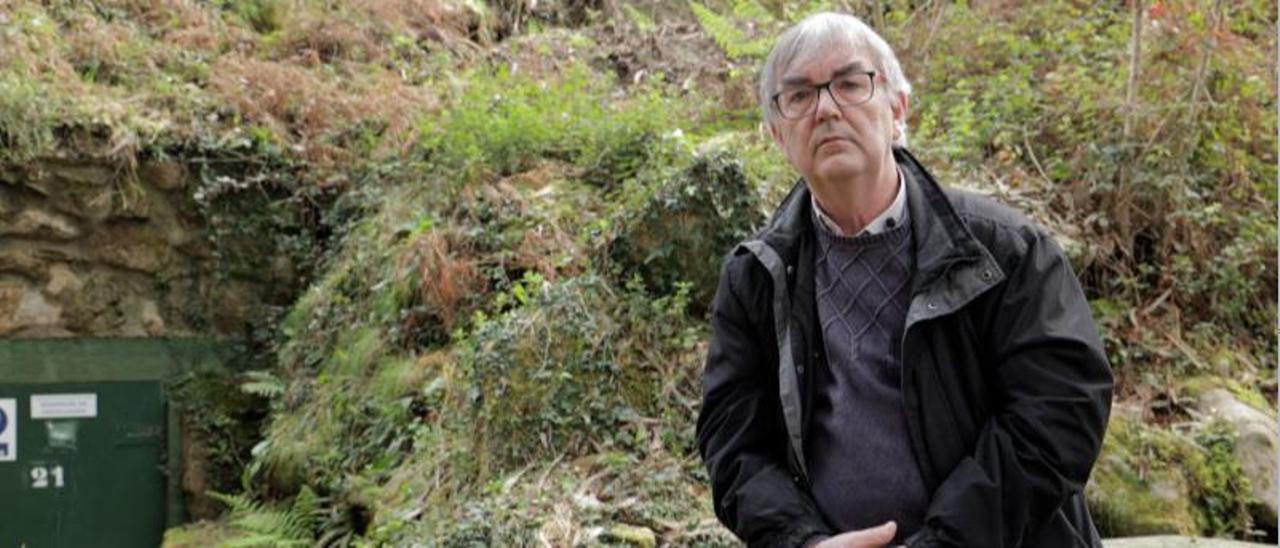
[[847, 90]]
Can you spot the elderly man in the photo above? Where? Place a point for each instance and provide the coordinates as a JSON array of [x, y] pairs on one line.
[[893, 362]]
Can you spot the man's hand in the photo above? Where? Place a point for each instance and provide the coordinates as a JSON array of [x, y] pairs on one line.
[[875, 537]]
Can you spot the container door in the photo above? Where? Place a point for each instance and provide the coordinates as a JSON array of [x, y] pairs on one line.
[[86, 465]]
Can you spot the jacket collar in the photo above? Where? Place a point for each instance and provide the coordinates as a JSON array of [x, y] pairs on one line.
[[943, 240]]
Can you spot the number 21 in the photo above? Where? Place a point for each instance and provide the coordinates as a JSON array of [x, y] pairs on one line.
[[40, 477]]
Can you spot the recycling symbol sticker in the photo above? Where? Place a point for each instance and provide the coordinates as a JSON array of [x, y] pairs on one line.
[[8, 432]]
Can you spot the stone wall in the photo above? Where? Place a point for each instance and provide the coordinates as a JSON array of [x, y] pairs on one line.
[[88, 248]]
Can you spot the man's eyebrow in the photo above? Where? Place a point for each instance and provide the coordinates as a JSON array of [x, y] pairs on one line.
[[854, 66]]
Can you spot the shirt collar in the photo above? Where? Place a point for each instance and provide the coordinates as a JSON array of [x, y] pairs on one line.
[[887, 219]]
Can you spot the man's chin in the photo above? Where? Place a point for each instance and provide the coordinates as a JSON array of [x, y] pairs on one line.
[[840, 169]]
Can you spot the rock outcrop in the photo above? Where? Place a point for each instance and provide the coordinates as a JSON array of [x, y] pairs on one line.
[[1256, 443], [87, 249]]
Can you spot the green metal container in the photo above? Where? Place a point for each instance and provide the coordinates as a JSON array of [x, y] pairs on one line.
[[89, 446]]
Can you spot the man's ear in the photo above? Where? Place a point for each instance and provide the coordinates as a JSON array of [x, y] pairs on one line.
[[900, 105], [776, 134]]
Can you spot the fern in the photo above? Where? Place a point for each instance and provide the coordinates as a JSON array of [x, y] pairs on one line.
[[264, 384], [642, 21], [751, 10], [269, 526], [728, 36], [235, 503], [308, 505]]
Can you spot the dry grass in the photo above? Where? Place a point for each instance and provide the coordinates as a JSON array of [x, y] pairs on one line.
[[110, 52], [313, 39], [328, 84], [32, 49], [329, 75], [290, 100], [188, 25], [368, 31], [448, 276], [309, 109]]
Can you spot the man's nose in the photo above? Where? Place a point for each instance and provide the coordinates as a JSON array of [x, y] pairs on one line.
[[826, 107]]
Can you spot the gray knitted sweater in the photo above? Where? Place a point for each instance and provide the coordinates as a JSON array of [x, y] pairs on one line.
[[861, 463]]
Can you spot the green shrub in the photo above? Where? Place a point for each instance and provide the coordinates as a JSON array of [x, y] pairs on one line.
[[502, 123], [544, 377], [681, 230]]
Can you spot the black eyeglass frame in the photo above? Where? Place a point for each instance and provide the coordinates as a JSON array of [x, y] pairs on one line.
[[817, 88]]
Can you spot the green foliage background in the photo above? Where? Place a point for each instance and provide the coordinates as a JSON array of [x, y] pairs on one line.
[[508, 219]]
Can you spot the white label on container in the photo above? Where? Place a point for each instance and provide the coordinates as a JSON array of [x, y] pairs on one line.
[[64, 406], [8, 430]]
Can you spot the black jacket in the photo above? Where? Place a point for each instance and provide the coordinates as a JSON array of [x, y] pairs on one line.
[[1005, 384]]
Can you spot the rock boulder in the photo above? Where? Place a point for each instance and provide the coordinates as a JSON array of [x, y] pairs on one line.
[[1257, 440]]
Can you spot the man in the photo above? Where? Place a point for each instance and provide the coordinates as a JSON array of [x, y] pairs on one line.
[[891, 361]]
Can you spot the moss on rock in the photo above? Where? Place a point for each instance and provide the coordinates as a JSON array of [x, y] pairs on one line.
[[1129, 493], [201, 534], [1221, 488], [1196, 386], [1151, 480]]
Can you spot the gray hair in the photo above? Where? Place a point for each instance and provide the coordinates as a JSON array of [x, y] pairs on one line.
[[821, 31]]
